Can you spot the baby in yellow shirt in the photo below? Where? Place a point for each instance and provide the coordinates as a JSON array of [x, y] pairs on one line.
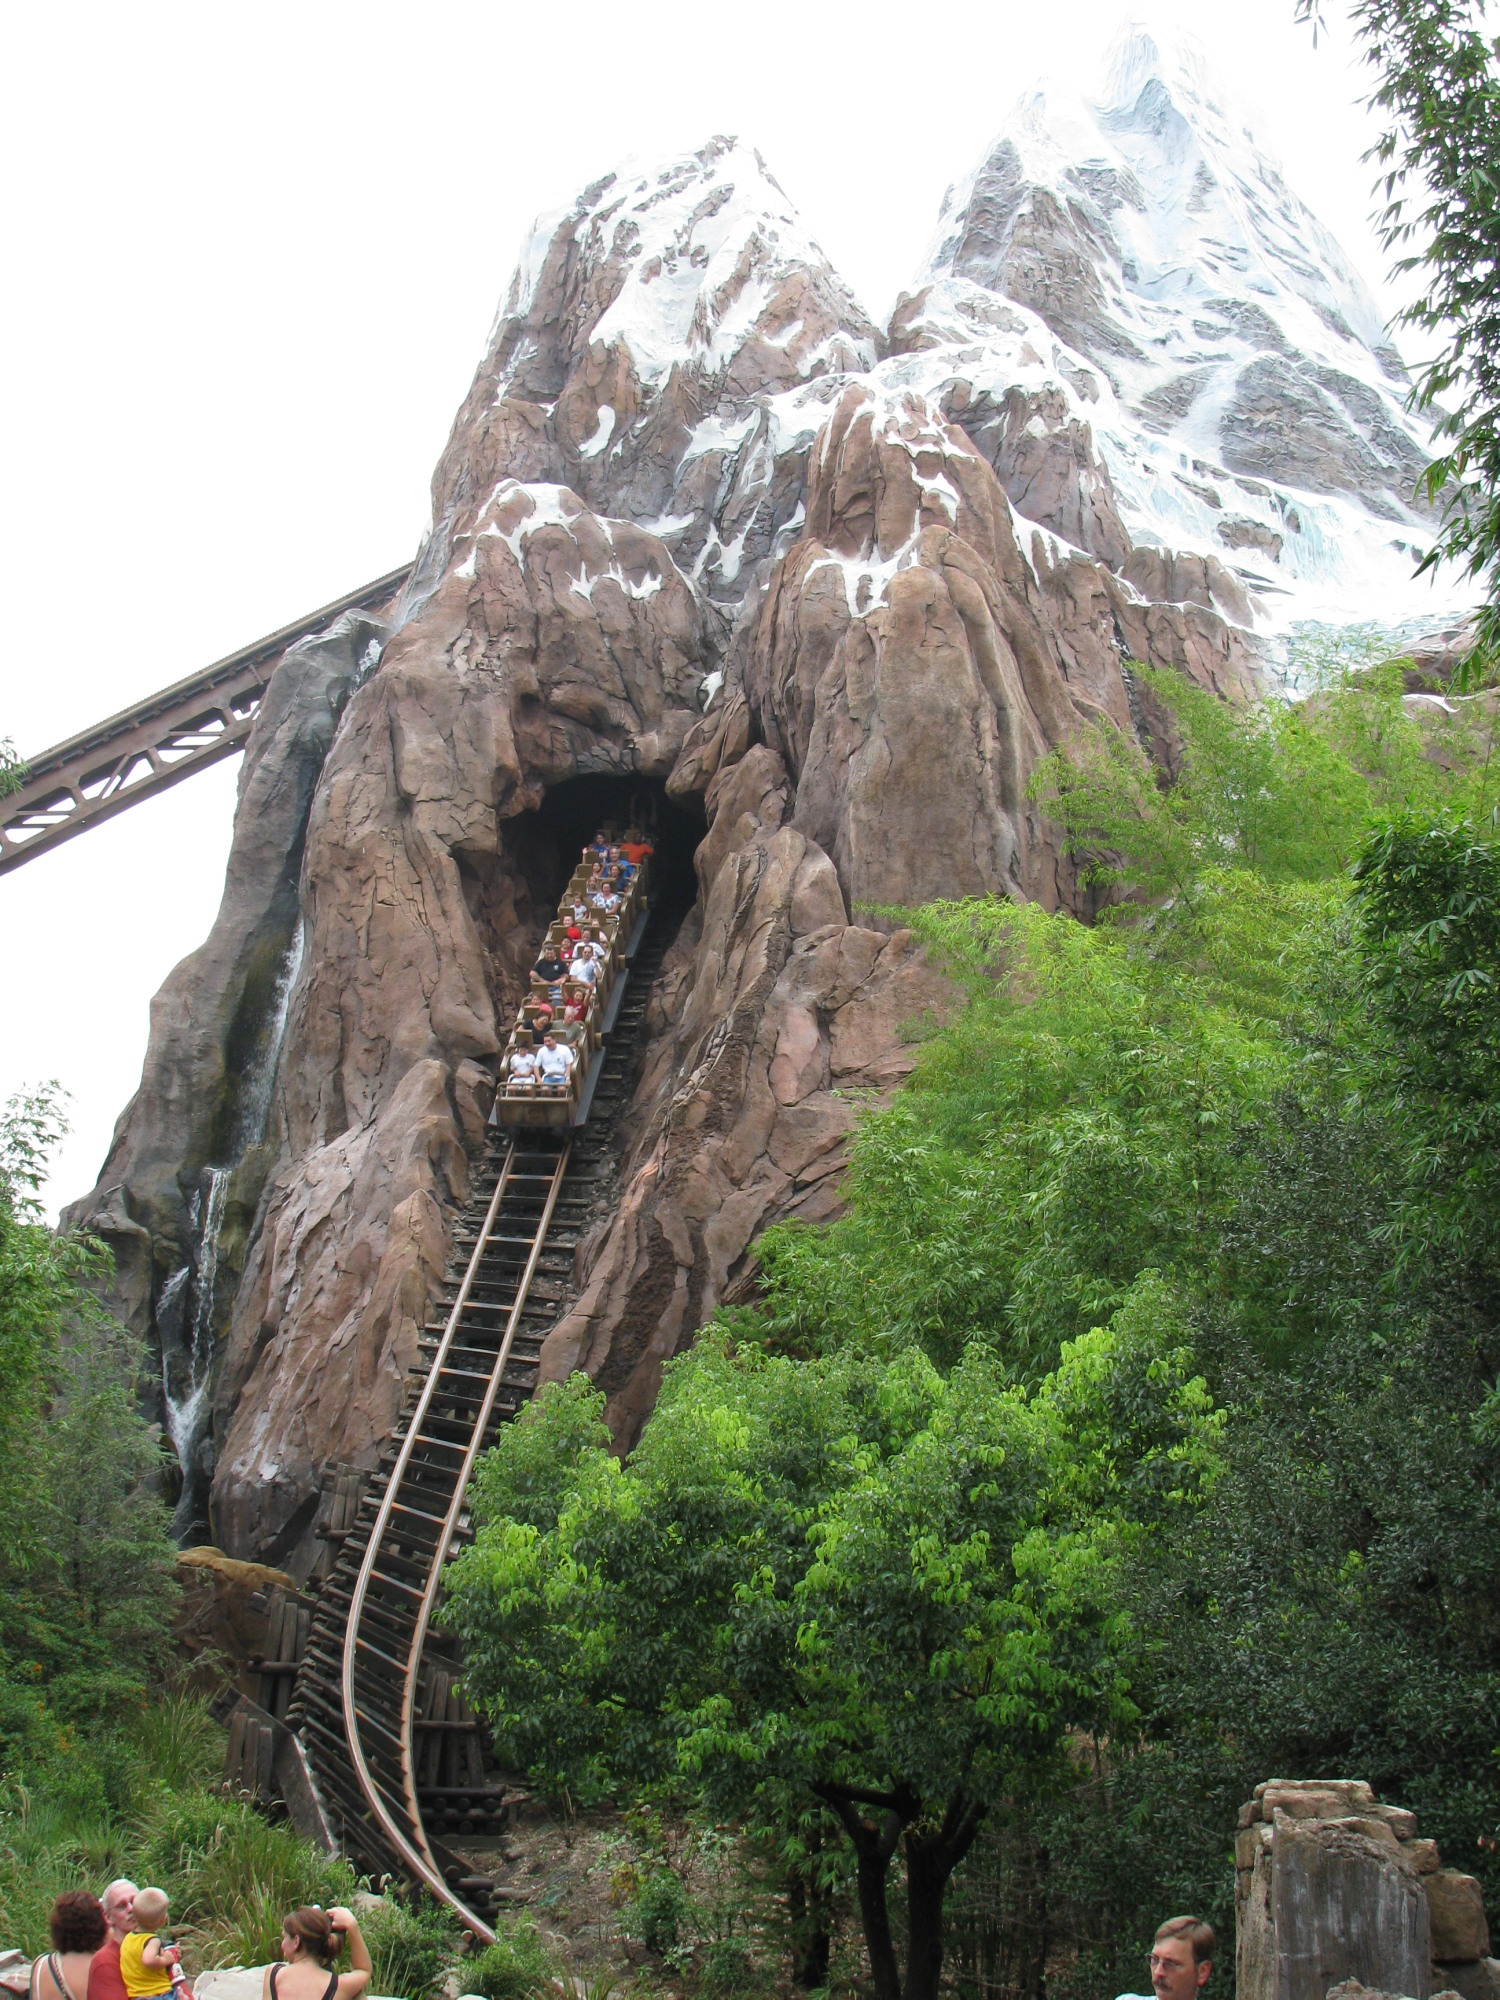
[[147, 1966]]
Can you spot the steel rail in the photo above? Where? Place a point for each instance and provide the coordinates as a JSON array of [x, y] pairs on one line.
[[420, 1861], [466, 1473]]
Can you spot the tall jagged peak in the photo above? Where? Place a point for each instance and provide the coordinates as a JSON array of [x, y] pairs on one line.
[[653, 336], [681, 261], [1187, 205], [1186, 305]]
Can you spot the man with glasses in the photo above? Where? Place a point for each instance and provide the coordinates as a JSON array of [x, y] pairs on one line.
[[1182, 1957]]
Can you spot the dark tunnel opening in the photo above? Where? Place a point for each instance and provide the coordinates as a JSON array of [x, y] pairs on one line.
[[573, 812], [513, 895]]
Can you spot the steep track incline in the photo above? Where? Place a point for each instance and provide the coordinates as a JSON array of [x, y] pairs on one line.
[[397, 1756]]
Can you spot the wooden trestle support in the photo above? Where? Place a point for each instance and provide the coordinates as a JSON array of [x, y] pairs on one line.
[[395, 1753]]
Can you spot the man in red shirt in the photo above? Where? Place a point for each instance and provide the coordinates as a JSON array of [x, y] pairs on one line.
[[105, 1979]]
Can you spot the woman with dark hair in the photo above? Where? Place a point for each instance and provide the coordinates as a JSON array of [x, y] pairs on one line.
[[311, 1939], [78, 1929]]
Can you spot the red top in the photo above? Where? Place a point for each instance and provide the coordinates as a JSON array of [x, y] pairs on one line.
[[635, 851], [105, 1979]]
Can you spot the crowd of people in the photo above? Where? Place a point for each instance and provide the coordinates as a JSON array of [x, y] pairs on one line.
[[557, 1027], [115, 1947]]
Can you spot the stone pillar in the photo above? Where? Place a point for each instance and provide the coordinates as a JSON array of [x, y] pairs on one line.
[[1326, 1892]]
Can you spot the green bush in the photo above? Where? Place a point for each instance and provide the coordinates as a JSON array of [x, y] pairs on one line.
[[411, 1947], [727, 1968], [660, 1914], [516, 1966]]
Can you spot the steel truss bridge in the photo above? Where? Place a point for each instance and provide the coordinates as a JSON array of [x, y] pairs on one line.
[[159, 741]]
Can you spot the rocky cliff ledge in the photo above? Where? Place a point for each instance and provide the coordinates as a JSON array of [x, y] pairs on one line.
[[700, 551]]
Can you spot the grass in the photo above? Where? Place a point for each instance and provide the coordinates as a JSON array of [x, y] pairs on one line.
[[141, 1801], [44, 1850], [233, 1876]]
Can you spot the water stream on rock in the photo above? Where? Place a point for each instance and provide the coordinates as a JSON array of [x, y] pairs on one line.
[[168, 1310], [255, 1103], [186, 1385], [186, 1410]]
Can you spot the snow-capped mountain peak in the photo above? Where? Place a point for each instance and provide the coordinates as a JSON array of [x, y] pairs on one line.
[[1187, 306]]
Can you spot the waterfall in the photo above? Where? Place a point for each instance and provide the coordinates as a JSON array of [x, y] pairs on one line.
[[255, 1099], [186, 1399], [185, 1317], [168, 1309]]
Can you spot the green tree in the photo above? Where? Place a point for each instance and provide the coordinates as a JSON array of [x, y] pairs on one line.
[[1428, 902], [12, 770], [1439, 161], [850, 1579], [1260, 787], [106, 1551], [1281, 789], [86, 1561], [41, 1282], [1083, 1120]]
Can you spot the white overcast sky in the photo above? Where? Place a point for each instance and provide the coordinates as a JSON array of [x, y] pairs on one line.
[[253, 253]]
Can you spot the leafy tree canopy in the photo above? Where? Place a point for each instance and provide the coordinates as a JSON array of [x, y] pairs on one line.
[[1020, 1607], [87, 1584], [1438, 89], [861, 1580]]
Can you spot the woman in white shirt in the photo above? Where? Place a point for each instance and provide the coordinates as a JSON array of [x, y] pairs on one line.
[[520, 1072]]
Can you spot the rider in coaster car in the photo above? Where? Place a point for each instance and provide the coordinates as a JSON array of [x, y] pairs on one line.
[[520, 1072], [549, 969], [554, 1061]]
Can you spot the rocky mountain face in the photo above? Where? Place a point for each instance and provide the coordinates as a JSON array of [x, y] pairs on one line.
[[1127, 286], [708, 547]]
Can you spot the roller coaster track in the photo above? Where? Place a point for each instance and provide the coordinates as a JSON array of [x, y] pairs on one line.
[[396, 1755], [159, 741]]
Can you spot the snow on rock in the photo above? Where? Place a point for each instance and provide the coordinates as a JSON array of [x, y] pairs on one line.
[[690, 530], [1155, 344], [1152, 337], [644, 332]]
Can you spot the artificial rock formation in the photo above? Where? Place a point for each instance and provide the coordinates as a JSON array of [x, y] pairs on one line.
[[705, 548], [223, 1617], [1336, 1895]]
